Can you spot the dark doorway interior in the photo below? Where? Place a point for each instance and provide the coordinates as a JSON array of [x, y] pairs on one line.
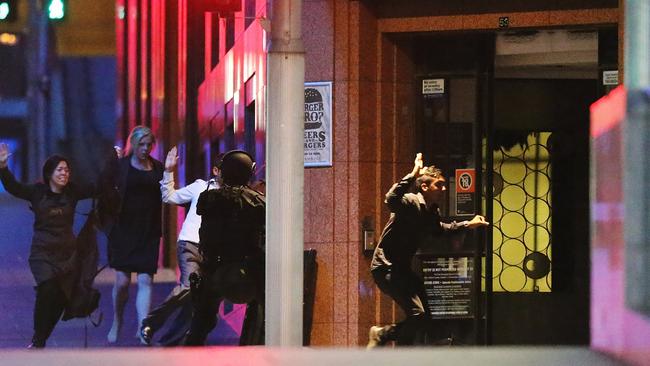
[[547, 100], [561, 107]]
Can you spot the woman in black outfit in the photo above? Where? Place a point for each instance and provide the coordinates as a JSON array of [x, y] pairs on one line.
[[134, 236], [53, 249]]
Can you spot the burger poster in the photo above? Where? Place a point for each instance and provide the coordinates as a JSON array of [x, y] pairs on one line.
[[318, 124]]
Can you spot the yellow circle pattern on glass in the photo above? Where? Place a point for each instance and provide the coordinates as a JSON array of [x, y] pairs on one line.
[[513, 171], [536, 238], [513, 198], [497, 267], [512, 279], [497, 238], [521, 214], [537, 185], [497, 211], [536, 157], [537, 212], [548, 282], [513, 224], [513, 252]]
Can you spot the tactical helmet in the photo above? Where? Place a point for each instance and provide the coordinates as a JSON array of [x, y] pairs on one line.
[[236, 167]]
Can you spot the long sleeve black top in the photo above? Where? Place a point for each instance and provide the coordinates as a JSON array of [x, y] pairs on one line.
[[411, 222], [53, 243]]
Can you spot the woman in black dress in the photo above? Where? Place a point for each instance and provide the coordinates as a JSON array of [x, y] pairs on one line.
[[134, 237], [53, 249]]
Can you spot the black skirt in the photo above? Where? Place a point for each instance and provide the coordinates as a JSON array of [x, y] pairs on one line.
[[134, 242]]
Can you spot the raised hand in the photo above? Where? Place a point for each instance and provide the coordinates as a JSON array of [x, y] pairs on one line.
[[477, 221], [118, 151], [4, 155], [172, 159], [418, 163]]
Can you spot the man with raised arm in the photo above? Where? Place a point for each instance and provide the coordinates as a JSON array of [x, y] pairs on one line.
[[414, 217]]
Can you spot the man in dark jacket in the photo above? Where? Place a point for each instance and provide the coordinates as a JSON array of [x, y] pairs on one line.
[[231, 243], [414, 218]]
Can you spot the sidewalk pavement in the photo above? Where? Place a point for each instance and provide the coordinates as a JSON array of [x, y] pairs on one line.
[[17, 293]]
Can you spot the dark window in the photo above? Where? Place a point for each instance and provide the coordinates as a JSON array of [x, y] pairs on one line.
[[215, 150], [214, 57], [249, 9], [230, 31], [249, 128], [229, 127]]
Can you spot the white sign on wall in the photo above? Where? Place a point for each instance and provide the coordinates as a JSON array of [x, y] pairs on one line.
[[318, 124], [610, 77], [433, 86]]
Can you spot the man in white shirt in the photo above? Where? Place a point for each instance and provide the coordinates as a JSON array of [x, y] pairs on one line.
[[187, 252]]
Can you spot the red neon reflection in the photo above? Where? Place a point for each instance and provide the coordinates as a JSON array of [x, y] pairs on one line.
[[608, 111], [615, 328]]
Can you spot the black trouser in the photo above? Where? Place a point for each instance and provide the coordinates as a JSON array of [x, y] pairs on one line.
[[178, 300], [252, 330], [49, 306], [407, 290], [226, 283]]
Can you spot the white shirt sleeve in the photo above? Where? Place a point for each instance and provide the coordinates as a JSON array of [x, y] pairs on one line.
[[175, 196]]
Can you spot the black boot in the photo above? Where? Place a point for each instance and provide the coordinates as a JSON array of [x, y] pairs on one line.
[[146, 335], [37, 343]]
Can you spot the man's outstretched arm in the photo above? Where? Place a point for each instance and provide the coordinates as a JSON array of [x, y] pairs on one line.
[[477, 221]]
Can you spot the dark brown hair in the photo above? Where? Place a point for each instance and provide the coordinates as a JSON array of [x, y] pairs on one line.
[[429, 173], [50, 165]]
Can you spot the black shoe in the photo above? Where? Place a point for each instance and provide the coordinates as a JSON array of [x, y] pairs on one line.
[[36, 345], [191, 339], [146, 335]]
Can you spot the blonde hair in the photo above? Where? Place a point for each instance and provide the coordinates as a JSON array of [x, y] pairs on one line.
[[137, 134]]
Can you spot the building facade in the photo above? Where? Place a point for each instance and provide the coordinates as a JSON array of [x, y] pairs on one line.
[[498, 88]]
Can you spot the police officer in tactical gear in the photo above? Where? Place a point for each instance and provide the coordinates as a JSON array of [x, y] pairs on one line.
[[232, 245]]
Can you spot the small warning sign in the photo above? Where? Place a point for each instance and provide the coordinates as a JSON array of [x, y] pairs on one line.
[[465, 191], [465, 180], [433, 86], [610, 77]]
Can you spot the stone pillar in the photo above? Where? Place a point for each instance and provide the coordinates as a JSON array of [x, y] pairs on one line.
[[285, 176], [637, 41], [636, 159]]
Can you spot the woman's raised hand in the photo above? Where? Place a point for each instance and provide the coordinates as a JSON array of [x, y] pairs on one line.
[[171, 160], [118, 152], [4, 155]]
